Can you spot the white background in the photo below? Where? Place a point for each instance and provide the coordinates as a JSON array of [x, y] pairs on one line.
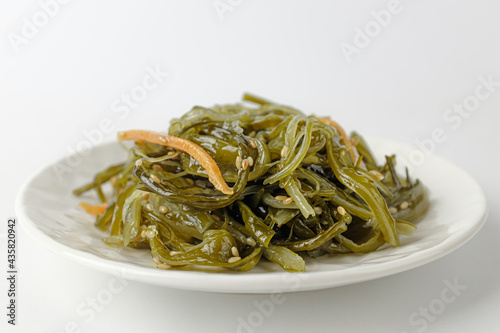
[[68, 74]]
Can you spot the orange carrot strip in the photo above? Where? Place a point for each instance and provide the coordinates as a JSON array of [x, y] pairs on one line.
[[198, 153], [345, 138], [93, 209]]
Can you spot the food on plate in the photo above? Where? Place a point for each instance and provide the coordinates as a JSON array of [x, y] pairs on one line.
[[228, 185]]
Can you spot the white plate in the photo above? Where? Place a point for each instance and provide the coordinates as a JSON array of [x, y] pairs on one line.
[[49, 213]]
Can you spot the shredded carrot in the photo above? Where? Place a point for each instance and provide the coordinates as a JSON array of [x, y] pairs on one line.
[[198, 153], [93, 209], [345, 138]]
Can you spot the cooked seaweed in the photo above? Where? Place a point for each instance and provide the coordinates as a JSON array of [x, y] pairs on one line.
[[231, 183]]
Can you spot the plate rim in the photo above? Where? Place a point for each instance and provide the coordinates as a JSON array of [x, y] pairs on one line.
[[254, 282]]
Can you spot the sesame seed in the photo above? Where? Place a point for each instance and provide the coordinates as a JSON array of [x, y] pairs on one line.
[[163, 209], [120, 135], [404, 205], [164, 266], [234, 251], [149, 207], [158, 262], [318, 210], [252, 134], [280, 197], [145, 196], [245, 164], [143, 234], [157, 167], [393, 210], [173, 253], [287, 201], [284, 151], [238, 162], [162, 139], [377, 174], [263, 140], [341, 210], [151, 231], [190, 181], [155, 178], [252, 144], [233, 259], [251, 241], [250, 161], [216, 218], [138, 163]]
